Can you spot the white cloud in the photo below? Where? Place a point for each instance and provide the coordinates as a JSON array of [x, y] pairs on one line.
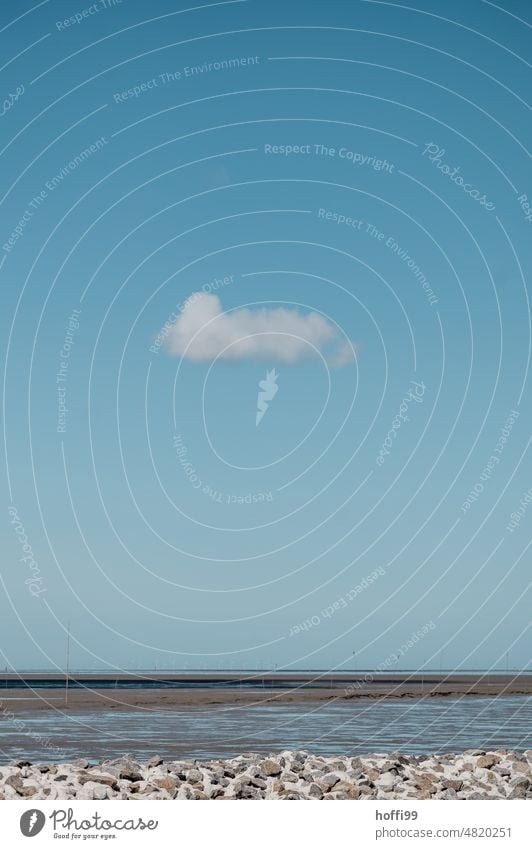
[[203, 331]]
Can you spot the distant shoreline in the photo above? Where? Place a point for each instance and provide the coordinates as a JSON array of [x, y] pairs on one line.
[[208, 691]]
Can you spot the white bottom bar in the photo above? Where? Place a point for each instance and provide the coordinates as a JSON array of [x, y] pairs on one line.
[[253, 824]]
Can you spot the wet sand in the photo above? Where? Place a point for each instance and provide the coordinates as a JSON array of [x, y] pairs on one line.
[[303, 689]]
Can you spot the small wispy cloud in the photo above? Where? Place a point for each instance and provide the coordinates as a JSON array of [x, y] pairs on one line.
[[203, 332]]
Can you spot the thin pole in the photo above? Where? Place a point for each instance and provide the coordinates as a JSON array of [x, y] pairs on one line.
[[67, 663]]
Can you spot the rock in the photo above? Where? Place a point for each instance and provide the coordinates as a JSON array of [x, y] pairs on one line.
[[270, 768], [328, 781], [426, 780], [84, 777], [390, 766], [185, 792], [128, 768], [95, 790], [501, 769], [27, 790], [199, 794], [194, 776], [168, 783], [518, 787], [487, 761], [14, 781], [10, 792], [475, 774], [350, 790], [216, 792], [372, 773], [316, 792], [249, 792], [131, 774], [447, 794], [518, 792], [452, 784], [521, 766]]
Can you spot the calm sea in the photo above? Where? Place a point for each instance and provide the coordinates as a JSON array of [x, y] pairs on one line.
[[411, 726]]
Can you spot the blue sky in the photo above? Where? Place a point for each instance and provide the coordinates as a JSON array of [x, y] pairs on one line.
[[317, 176]]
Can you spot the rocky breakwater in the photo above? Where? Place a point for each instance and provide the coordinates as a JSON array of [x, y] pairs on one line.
[[474, 774]]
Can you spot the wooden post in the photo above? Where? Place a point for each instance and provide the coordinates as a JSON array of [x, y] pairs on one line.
[[67, 664]]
